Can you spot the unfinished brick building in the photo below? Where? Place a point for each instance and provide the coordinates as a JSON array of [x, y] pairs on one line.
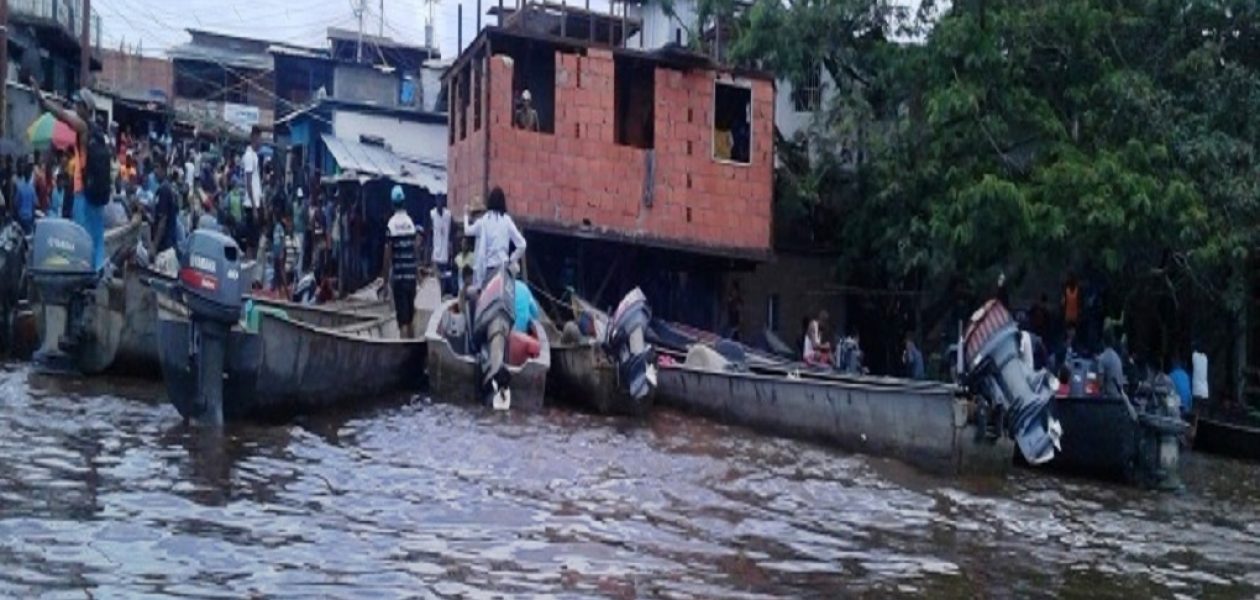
[[661, 163]]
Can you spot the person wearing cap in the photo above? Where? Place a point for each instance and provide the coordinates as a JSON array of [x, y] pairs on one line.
[[499, 241], [400, 260], [526, 116], [86, 214]]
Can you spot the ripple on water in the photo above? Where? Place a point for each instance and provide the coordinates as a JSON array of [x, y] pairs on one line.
[[103, 489]]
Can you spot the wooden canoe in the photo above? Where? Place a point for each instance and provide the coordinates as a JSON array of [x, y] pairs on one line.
[[925, 424], [454, 376], [1226, 438], [581, 373], [306, 368]]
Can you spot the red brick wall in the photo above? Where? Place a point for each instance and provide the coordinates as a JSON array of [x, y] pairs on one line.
[[579, 174], [466, 159], [125, 72]]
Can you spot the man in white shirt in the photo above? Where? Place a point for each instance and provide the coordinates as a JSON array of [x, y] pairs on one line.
[[1199, 378], [441, 254], [253, 189]]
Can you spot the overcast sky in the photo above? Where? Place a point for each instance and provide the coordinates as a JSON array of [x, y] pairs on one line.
[[160, 24]]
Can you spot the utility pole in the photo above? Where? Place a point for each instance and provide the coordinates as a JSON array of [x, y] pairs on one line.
[[380, 31], [85, 45], [4, 66], [358, 56]]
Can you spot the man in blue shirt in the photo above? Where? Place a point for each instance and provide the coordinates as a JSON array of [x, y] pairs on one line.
[[1181, 383], [25, 198]]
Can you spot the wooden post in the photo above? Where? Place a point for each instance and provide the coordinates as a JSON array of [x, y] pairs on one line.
[[4, 67], [85, 45]]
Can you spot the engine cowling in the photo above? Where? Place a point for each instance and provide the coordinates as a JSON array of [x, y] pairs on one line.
[[1016, 396]]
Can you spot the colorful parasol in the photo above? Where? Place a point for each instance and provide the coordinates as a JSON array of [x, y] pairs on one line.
[[48, 131]]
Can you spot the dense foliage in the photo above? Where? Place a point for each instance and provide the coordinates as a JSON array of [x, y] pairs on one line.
[[1026, 136]]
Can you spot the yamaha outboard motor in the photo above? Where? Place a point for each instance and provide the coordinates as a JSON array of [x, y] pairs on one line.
[[211, 286], [628, 348], [1160, 431], [1015, 400], [64, 280], [492, 326]]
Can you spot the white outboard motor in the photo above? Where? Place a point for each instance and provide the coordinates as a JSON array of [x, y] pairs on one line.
[[1013, 396], [492, 326], [628, 348], [64, 280], [211, 286]]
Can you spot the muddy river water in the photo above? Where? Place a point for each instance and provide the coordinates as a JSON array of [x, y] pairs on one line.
[[104, 493]]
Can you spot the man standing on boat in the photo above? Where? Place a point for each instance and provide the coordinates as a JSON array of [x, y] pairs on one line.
[[400, 259], [498, 239], [441, 255], [1199, 374]]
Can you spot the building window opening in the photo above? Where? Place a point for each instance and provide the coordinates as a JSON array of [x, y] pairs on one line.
[[533, 87], [634, 92], [476, 85], [464, 92], [732, 118], [807, 94]]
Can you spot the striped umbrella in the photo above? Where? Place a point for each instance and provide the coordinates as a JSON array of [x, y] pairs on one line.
[[48, 131]]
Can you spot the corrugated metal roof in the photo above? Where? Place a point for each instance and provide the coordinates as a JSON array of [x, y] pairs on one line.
[[221, 56], [367, 161]]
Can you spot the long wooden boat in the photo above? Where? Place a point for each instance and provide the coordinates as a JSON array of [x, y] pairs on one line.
[[583, 373], [1216, 435], [306, 368], [453, 375], [926, 424], [298, 360]]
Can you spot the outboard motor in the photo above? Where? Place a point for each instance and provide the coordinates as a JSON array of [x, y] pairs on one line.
[[211, 286], [492, 325], [1160, 431], [1015, 398], [64, 279], [628, 348]]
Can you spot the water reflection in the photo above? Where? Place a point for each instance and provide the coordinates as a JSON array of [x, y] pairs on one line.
[[104, 491]]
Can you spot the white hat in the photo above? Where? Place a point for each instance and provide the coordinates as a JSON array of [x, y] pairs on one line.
[[525, 95]]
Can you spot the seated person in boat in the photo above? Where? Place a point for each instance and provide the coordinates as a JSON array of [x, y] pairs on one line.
[[523, 345], [817, 351], [849, 355]]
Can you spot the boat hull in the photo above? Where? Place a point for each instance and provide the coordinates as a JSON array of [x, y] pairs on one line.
[[244, 355], [1100, 437], [923, 424], [454, 377], [581, 374], [1221, 437], [306, 368]]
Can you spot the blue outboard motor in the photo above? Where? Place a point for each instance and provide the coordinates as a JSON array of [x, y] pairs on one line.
[[63, 277], [210, 284], [1012, 395], [628, 348], [492, 326]]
